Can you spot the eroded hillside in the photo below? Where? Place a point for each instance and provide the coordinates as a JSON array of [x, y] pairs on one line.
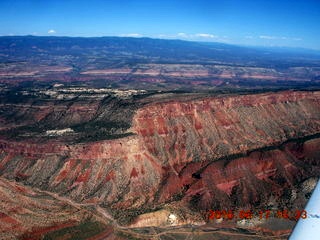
[[184, 154]]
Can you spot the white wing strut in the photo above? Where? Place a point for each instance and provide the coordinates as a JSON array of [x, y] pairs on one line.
[[309, 228]]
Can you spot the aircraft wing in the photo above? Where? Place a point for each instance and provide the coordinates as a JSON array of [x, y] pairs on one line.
[[309, 228]]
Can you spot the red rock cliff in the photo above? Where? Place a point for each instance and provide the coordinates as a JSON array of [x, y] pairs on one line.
[[191, 151]]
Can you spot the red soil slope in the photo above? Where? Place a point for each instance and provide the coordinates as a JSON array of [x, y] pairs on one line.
[[190, 151]]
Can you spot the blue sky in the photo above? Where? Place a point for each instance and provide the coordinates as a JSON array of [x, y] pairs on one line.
[[292, 23]]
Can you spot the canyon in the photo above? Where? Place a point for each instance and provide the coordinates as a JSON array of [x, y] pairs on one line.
[[165, 154], [140, 138]]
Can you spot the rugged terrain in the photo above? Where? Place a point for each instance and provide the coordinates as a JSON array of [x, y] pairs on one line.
[[187, 153], [28, 213], [138, 138]]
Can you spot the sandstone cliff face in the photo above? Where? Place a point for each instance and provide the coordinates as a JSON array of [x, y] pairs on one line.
[[211, 128], [204, 153]]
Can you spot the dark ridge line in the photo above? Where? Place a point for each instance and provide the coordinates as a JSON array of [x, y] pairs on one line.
[[231, 157], [266, 148]]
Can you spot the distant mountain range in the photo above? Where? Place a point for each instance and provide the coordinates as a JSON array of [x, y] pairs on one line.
[[154, 64], [146, 50]]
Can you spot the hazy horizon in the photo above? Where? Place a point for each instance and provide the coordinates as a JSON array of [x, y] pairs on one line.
[[252, 23], [317, 51]]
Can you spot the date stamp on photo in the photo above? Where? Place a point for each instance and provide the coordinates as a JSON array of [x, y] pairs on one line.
[[261, 214]]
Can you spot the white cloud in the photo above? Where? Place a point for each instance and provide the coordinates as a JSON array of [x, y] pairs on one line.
[[51, 31], [195, 37], [205, 35], [131, 35], [249, 37], [183, 35], [279, 38], [267, 37]]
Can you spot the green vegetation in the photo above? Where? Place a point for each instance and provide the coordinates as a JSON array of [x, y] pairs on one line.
[[84, 230], [126, 235], [101, 130], [126, 217]]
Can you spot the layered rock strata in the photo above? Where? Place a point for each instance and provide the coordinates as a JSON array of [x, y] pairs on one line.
[[231, 151]]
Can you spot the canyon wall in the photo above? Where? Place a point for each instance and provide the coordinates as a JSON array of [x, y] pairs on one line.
[[212, 152]]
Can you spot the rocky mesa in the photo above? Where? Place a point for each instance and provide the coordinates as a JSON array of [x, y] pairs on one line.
[[185, 155]]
